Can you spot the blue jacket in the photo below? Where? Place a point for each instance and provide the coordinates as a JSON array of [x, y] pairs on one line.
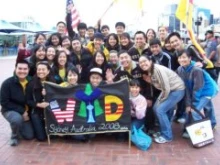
[[198, 84]]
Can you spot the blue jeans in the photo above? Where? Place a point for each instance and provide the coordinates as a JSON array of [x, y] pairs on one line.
[[163, 109], [18, 125], [209, 111], [39, 127], [137, 122]]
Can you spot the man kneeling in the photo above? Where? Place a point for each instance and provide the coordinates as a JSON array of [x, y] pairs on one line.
[[13, 102]]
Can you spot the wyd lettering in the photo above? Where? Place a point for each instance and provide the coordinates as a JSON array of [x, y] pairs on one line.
[[84, 109]]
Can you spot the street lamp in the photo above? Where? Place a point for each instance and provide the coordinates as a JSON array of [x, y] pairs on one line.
[[198, 23]]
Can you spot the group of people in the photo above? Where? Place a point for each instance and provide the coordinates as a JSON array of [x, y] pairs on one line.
[[167, 78]]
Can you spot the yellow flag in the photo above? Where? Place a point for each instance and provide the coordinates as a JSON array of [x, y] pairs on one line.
[[140, 5], [184, 12]]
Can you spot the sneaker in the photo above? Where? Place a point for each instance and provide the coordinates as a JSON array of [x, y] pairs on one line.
[[185, 135], [161, 140], [13, 142], [181, 120], [156, 134], [214, 128], [151, 132]]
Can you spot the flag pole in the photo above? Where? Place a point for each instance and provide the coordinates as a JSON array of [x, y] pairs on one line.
[[107, 9], [187, 21]]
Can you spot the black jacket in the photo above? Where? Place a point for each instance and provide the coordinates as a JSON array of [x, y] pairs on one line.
[[84, 62], [135, 55], [34, 95], [163, 59], [72, 34], [121, 73], [127, 47], [12, 96]]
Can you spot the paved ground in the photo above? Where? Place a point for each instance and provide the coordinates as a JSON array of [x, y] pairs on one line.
[[103, 150]]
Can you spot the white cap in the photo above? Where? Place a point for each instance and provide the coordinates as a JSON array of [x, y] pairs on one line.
[[96, 70]]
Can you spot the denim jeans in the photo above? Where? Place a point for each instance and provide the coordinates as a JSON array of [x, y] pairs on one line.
[[39, 127], [137, 122], [19, 126], [206, 104], [181, 108], [163, 109]]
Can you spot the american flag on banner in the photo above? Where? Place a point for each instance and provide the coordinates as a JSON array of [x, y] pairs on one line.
[[62, 115], [74, 14]]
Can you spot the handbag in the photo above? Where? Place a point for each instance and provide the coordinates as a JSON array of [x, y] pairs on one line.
[[140, 139], [200, 132]]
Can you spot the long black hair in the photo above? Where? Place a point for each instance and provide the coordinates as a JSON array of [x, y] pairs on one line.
[[155, 35], [37, 36], [150, 58], [49, 41], [116, 46], [94, 64], [33, 58], [130, 43], [36, 79]]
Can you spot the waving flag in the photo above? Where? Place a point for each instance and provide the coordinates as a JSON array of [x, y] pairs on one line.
[[74, 14], [184, 13]]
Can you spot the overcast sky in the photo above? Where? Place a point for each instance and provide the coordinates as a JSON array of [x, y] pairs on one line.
[[49, 12]]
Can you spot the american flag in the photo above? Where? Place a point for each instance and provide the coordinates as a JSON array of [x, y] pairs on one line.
[[62, 115], [74, 14]]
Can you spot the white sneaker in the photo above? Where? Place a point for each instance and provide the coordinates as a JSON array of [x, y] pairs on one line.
[[156, 134], [185, 135], [161, 140], [181, 120]]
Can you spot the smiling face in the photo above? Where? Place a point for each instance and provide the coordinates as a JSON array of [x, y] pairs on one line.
[[90, 33], [21, 71], [162, 33], [41, 53], [105, 32], [76, 45], [150, 35], [134, 90], [176, 43], [50, 54], [184, 60], [112, 41], [40, 40], [113, 58], [155, 49], [168, 46], [55, 40], [125, 60], [145, 64], [62, 59], [61, 28], [42, 71], [124, 41], [98, 42], [140, 40], [95, 79], [72, 78], [99, 59], [82, 32], [120, 30], [66, 43]]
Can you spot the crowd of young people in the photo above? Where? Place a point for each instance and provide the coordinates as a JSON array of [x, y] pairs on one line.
[[163, 73]]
